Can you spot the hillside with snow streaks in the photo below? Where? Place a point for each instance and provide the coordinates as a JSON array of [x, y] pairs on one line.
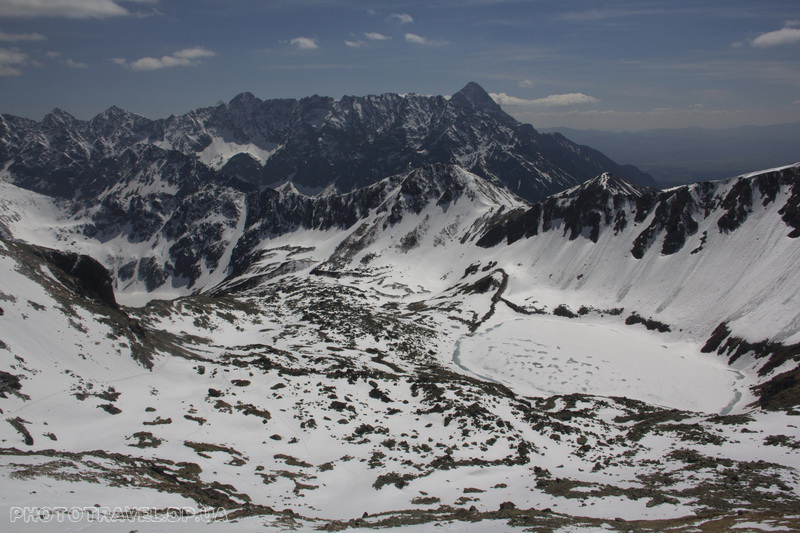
[[692, 257]]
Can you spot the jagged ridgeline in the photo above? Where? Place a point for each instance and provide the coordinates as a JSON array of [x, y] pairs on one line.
[[314, 143]]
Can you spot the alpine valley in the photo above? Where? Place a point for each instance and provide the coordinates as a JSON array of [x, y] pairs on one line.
[[393, 311]]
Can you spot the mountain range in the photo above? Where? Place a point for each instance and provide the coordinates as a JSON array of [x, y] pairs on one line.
[[314, 143], [390, 311]]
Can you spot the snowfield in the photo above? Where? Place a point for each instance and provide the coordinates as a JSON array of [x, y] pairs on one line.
[[544, 356], [391, 373]]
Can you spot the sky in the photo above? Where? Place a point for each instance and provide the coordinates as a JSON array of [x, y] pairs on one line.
[[589, 64]]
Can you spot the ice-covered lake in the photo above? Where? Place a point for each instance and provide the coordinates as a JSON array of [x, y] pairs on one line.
[[545, 355]]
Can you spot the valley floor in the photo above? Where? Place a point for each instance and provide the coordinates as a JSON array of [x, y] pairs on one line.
[[317, 403]]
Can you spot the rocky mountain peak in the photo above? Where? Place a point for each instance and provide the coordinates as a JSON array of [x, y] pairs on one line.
[[114, 117], [244, 99], [58, 118], [114, 111], [475, 96], [614, 185]]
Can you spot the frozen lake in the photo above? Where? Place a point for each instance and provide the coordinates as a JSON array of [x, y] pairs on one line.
[[544, 356]]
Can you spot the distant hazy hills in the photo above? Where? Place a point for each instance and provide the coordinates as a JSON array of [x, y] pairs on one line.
[[676, 156]]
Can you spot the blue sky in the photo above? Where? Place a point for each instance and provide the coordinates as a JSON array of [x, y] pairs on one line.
[[621, 65]]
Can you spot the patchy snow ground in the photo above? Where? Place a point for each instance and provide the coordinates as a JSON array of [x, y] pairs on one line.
[[277, 400]]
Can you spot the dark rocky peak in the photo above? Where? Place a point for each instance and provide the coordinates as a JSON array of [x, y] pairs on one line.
[[316, 101], [611, 184], [13, 131], [314, 110], [59, 119], [113, 112], [245, 100], [9, 123], [431, 178], [117, 115], [116, 122], [603, 203], [474, 96]]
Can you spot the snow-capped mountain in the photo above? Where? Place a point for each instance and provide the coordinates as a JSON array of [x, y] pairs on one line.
[[315, 142], [421, 347]]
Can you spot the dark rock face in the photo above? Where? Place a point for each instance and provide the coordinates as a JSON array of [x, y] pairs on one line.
[[92, 278], [8, 383], [779, 392], [581, 211], [737, 205], [674, 218]]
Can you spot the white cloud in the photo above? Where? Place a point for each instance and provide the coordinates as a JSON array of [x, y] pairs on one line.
[[353, 44], [787, 35], [10, 60], [62, 8], [71, 63], [13, 37], [526, 84], [402, 18], [188, 57], [375, 36], [194, 53], [418, 39], [414, 38], [304, 43], [554, 100]]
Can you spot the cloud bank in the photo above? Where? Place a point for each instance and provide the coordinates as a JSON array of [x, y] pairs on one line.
[[418, 39], [304, 43], [10, 60], [375, 36], [787, 35], [77, 9], [15, 37], [188, 57], [554, 100], [401, 18]]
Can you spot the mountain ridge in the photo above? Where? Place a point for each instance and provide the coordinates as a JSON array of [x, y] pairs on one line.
[[314, 142]]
